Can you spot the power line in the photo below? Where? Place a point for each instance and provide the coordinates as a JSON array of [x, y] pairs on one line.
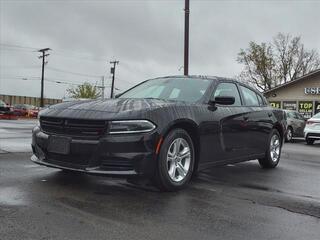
[[18, 77], [74, 73], [17, 46], [62, 82], [19, 67], [58, 52], [25, 78], [18, 50], [79, 58]]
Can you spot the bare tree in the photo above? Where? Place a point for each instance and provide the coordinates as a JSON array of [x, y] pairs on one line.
[[267, 65], [258, 65]]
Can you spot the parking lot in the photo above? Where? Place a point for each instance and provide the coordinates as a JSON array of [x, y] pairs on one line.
[[239, 201]]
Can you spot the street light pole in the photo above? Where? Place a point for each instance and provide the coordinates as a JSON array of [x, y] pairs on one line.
[[186, 37]]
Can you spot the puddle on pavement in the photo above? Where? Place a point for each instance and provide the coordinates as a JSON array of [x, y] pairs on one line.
[[11, 196]]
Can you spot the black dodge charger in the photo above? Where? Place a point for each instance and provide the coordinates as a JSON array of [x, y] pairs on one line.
[[165, 129]]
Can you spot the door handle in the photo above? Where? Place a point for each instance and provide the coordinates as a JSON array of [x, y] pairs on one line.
[[246, 118], [270, 114]]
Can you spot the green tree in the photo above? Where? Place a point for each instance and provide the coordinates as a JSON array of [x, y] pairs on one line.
[[267, 65], [85, 90]]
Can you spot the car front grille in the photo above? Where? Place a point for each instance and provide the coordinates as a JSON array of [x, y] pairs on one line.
[[117, 164], [317, 135], [90, 129], [72, 161]]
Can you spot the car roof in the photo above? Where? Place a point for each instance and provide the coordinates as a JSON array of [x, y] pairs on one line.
[[213, 78]]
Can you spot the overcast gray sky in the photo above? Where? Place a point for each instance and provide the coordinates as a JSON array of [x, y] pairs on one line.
[[145, 36]]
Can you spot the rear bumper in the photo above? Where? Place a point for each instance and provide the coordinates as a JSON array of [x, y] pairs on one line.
[[109, 155]]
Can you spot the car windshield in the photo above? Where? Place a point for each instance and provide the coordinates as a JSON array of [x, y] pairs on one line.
[[179, 89], [2, 103]]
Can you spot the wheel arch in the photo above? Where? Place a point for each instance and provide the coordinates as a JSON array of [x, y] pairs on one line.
[[192, 129], [280, 130]]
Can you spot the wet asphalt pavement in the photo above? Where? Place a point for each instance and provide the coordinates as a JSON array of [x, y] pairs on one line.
[[239, 201]]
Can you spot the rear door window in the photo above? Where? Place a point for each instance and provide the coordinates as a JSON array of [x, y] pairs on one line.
[[250, 97]]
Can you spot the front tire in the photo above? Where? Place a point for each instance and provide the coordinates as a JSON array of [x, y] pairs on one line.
[[273, 153], [309, 141], [175, 161]]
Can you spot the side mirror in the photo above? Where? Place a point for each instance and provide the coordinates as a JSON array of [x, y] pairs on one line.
[[222, 100]]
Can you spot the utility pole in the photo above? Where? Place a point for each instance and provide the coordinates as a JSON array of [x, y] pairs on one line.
[[186, 37], [102, 88], [44, 55], [113, 71]]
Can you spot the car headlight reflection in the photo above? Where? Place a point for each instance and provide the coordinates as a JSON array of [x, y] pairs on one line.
[[131, 126]]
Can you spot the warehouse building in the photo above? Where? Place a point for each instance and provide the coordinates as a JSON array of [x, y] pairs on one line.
[[301, 94], [11, 100]]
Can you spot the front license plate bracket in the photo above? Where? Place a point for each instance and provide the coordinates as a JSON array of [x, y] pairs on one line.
[[59, 144]]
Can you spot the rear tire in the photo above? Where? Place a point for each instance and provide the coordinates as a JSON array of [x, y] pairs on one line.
[[273, 153], [309, 141], [175, 161]]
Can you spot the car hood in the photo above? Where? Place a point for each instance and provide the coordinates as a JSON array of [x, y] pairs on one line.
[[108, 108]]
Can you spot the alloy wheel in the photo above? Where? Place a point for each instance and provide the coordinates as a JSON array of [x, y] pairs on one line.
[[275, 148], [289, 134], [178, 159]]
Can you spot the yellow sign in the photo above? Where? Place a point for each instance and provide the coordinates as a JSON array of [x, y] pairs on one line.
[[275, 104], [306, 108], [317, 108]]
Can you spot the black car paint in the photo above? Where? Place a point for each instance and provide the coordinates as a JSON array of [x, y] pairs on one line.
[[221, 134]]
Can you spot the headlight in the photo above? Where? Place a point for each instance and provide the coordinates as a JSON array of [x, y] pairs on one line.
[[130, 126]]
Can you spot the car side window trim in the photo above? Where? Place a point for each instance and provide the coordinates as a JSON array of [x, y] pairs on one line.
[[260, 97]]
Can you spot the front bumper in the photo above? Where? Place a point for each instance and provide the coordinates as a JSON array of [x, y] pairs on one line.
[[312, 133], [130, 154]]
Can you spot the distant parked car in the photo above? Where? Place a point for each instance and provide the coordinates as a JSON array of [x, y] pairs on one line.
[[5, 111], [4, 108], [21, 109], [33, 112], [312, 129], [2, 103], [295, 125]]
